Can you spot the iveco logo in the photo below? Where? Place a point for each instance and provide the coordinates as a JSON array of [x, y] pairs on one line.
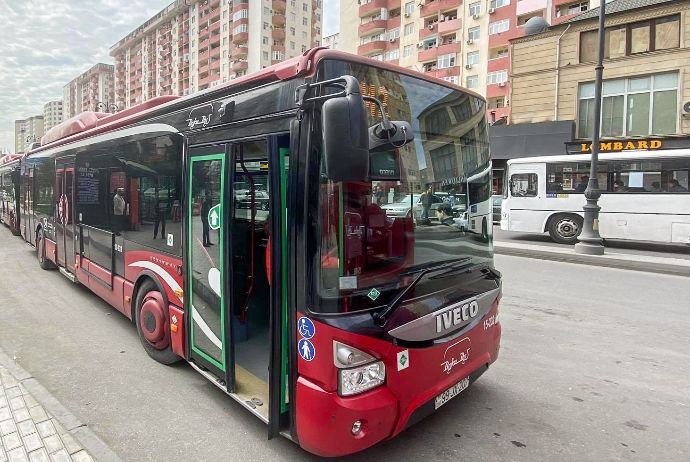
[[456, 316]]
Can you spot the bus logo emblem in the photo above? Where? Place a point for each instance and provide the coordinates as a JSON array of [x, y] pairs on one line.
[[214, 217]]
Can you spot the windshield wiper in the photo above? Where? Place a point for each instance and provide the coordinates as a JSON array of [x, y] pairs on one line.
[[381, 317]]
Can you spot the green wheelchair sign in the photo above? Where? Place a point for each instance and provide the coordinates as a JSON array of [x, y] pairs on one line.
[[214, 217]]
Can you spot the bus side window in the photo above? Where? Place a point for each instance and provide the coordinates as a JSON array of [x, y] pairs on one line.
[[523, 185]]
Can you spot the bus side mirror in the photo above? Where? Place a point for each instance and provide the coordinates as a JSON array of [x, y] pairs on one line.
[[345, 138]]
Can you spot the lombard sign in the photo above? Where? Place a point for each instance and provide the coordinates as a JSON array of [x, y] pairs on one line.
[[612, 146]]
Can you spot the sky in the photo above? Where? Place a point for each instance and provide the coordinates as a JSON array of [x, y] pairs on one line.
[[45, 44]]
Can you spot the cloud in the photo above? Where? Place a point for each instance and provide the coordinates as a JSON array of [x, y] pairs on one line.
[[331, 16], [47, 43]]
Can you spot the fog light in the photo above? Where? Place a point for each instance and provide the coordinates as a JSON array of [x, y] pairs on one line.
[[357, 427]]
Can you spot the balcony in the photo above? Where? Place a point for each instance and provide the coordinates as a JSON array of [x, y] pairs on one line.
[[215, 39], [203, 68], [495, 90], [279, 48], [215, 27], [372, 27], [278, 20], [215, 65], [432, 53], [240, 66], [203, 44], [449, 26], [446, 72], [204, 56], [240, 38], [372, 47], [279, 5], [278, 33], [439, 5], [372, 8], [239, 52]]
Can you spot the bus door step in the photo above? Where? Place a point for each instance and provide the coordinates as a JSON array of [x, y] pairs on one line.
[[68, 275]]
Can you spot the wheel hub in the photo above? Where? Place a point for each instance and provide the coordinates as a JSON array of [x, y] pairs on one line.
[[567, 228], [153, 320]]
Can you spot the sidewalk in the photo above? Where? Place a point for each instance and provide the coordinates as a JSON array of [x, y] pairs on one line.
[[35, 427], [612, 258]]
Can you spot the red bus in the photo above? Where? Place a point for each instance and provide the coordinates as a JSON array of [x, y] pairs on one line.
[[241, 229], [9, 191]]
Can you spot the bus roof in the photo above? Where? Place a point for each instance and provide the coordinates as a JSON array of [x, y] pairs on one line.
[[90, 123], [9, 158], [621, 155]]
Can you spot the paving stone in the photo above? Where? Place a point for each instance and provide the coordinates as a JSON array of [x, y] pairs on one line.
[[59, 429], [11, 441], [3, 401], [17, 403], [21, 415], [70, 443], [8, 381], [30, 401], [60, 456], [7, 427], [5, 414], [26, 428], [82, 456], [12, 392], [17, 455], [39, 455], [3, 457], [38, 414], [32, 442], [45, 429], [53, 444]]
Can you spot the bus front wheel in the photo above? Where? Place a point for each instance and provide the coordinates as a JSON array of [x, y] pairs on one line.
[[565, 229], [151, 317]]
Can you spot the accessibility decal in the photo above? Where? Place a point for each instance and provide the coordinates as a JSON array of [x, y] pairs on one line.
[[306, 327], [306, 350]]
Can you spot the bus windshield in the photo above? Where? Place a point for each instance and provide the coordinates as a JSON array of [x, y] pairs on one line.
[[434, 206]]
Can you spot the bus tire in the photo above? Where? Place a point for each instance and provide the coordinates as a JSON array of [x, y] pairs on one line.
[[153, 326], [565, 228], [43, 260]]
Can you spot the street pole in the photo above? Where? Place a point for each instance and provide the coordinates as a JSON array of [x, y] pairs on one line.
[[590, 240]]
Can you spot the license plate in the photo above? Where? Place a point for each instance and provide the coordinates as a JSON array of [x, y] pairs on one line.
[[452, 392]]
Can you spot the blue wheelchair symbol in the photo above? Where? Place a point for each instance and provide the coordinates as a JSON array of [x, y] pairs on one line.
[[306, 350], [306, 327]]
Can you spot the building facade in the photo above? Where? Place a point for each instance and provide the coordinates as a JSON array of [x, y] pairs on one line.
[[463, 42], [26, 132], [332, 41], [192, 45], [646, 71], [91, 91], [52, 114]]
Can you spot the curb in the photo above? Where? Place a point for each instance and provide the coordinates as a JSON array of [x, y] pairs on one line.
[[662, 265], [79, 430]]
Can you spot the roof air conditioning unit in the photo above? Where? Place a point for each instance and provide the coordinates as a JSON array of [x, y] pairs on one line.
[[475, 16], [407, 15], [468, 66], [502, 84], [686, 107], [470, 41], [492, 10]]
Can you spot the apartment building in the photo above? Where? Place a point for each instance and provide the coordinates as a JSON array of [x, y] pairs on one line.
[[192, 45], [26, 132], [463, 42], [332, 41], [52, 114], [91, 91]]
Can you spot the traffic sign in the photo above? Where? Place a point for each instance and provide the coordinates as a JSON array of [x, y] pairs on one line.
[[214, 217]]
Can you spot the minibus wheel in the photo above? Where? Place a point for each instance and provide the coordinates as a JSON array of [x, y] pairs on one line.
[[565, 228]]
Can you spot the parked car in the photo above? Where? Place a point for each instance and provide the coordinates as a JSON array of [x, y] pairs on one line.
[[243, 199], [401, 206], [497, 201]]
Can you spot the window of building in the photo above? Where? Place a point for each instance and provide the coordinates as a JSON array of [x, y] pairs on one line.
[[473, 33], [305, 22], [265, 26], [498, 3], [305, 7], [444, 161], [292, 31], [473, 58], [394, 54], [497, 77], [639, 37], [409, 28], [239, 29], [521, 20], [267, 11], [304, 48], [409, 7], [451, 79], [446, 61], [499, 26], [304, 35], [475, 9], [243, 13], [408, 50], [571, 8], [523, 185], [292, 45], [293, 3], [293, 17], [278, 56], [472, 81], [650, 103], [264, 40], [392, 33]]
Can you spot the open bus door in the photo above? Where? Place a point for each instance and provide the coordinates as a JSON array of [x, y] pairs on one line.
[[235, 297]]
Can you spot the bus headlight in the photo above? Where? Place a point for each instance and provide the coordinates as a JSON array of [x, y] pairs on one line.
[[361, 379]]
